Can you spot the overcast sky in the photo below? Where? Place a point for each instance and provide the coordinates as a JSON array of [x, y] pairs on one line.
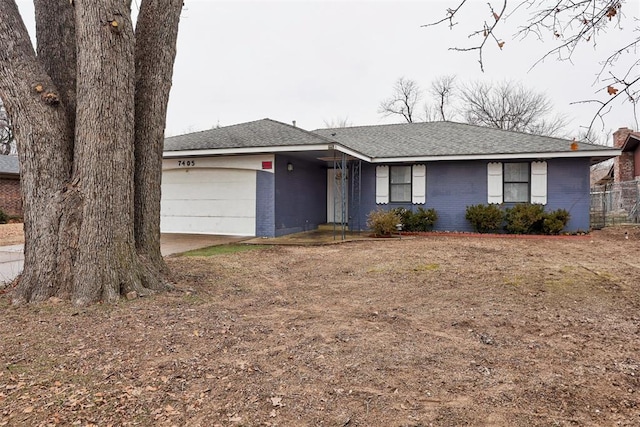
[[316, 61]]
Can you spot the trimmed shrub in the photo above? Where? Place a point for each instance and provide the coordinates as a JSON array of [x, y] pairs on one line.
[[554, 222], [383, 223], [420, 220], [4, 218], [423, 219], [524, 218], [404, 215], [485, 218]]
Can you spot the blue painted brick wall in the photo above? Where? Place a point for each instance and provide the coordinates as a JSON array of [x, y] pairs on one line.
[[568, 184], [265, 204], [452, 186], [300, 195]]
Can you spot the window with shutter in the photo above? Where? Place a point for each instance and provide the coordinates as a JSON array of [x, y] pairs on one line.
[[400, 183], [516, 182]]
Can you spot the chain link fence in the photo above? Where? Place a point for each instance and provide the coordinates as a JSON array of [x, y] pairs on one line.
[[615, 203]]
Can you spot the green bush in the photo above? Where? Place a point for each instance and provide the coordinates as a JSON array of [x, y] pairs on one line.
[[3, 217], [554, 222], [524, 218], [421, 220], [485, 218], [383, 223]]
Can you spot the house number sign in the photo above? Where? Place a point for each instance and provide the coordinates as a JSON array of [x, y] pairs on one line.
[[186, 163]]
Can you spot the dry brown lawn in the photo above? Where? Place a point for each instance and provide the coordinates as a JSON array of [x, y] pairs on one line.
[[11, 234], [438, 330]]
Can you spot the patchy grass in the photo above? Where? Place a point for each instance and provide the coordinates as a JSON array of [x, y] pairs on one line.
[[223, 250]]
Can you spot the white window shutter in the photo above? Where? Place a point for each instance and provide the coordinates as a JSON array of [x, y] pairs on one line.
[[419, 185], [382, 184], [539, 182], [494, 182]]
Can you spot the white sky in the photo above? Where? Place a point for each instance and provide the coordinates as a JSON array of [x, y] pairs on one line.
[[316, 61]]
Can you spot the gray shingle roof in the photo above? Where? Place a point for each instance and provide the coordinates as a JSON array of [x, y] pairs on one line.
[[9, 164], [260, 133], [445, 139]]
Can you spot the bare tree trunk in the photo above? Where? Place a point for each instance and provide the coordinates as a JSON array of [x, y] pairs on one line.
[[56, 34], [40, 127], [103, 162], [76, 145], [156, 35]]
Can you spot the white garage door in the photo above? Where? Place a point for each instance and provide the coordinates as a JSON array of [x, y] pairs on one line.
[[209, 201]]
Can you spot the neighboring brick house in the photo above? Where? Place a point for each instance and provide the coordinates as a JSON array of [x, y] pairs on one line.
[[626, 167], [10, 195]]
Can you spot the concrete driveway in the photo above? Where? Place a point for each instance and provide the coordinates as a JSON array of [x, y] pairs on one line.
[[12, 258]]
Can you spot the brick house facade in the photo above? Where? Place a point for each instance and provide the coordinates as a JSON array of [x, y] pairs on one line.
[[10, 193], [626, 167]]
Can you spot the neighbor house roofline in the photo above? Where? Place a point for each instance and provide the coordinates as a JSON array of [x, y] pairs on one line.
[[632, 142]]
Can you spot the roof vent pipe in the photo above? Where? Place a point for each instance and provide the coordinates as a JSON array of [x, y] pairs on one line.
[[294, 123]]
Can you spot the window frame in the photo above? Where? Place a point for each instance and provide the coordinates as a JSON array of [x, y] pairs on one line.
[[398, 184], [505, 182]]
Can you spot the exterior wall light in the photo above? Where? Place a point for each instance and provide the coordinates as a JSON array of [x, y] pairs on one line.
[[290, 167]]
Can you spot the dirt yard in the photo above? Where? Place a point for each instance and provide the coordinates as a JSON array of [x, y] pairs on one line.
[[11, 234], [427, 331]]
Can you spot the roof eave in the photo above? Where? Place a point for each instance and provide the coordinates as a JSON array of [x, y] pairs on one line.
[[600, 154], [263, 150], [632, 142], [242, 150]]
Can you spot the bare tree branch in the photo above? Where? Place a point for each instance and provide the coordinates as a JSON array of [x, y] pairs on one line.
[[451, 13], [571, 23], [406, 94], [510, 106], [443, 90], [486, 31], [338, 122], [507, 105]]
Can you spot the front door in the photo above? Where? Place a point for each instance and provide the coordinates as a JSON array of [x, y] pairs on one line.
[[337, 197]]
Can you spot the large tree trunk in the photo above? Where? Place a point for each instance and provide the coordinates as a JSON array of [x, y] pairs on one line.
[[76, 144], [103, 160], [156, 35], [40, 128]]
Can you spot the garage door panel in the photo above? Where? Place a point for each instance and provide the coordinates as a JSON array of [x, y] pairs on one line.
[[209, 201], [213, 208], [207, 225], [190, 176], [215, 190]]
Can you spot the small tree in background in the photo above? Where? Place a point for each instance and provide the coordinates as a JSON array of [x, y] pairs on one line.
[[506, 105], [403, 101]]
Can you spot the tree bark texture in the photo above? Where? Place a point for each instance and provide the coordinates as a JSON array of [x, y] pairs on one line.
[[56, 35], [77, 172], [156, 36], [103, 157], [40, 127]]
